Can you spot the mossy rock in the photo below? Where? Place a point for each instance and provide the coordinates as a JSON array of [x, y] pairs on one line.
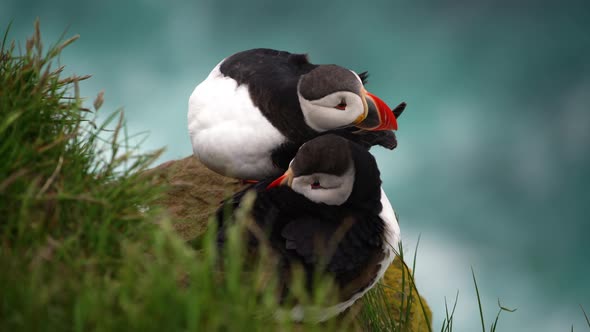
[[394, 281], [194, 194]]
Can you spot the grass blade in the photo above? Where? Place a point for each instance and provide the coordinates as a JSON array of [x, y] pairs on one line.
[[483, 327], [502, 308], [401, 308], [423, 308], [585, 315], [410, 297]]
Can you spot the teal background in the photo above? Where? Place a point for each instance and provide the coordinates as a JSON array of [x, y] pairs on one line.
[[492, 167]]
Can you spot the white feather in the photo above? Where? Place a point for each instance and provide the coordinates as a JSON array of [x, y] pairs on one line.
[[228, 133]]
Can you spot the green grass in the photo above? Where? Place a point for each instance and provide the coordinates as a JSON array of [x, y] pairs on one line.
[[84, 247]]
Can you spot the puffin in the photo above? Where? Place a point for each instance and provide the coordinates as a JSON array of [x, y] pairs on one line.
[[327, 213], [247, 119]]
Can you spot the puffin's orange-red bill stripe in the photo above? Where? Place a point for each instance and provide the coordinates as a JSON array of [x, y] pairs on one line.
[[277, 182], [388, 120]]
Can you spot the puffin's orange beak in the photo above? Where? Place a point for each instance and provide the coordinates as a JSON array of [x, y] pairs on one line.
[[281, 180], [380, 116]]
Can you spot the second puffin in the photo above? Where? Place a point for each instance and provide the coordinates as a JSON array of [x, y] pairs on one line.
[[328, 214]]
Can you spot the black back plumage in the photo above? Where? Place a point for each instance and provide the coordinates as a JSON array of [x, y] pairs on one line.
[[348, 237], [272, 77]]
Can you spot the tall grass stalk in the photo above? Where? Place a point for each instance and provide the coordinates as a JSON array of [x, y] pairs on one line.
[[585, 316]]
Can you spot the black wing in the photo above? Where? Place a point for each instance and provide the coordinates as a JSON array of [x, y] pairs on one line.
[[346, 247], [266, 210]]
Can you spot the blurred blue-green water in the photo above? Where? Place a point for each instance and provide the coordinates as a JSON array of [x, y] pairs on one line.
[[492, 167]]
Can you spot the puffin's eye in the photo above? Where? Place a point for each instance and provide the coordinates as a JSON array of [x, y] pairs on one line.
[[316, 185], [341, 106]]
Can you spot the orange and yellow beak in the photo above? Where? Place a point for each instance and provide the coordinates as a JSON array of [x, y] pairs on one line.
[[379, 115], [284, 179]]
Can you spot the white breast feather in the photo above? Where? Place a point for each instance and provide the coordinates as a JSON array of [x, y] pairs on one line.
[[228, 133]]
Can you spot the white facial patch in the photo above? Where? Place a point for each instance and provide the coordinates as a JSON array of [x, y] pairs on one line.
[[325, 188], [322, 114]]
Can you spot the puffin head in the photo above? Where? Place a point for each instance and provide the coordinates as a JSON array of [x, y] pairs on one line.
[[332, 170], [334, 97]]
